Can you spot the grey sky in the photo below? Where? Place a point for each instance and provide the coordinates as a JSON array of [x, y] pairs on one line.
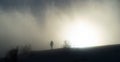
[[36, 22]]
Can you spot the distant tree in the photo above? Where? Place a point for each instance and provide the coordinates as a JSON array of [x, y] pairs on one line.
[[51, 44], [66, 44], [12, 55], [25, 49]]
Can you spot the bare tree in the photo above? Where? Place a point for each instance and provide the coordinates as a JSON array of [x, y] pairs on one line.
[[25, 49], [66, 44], [12, 55]]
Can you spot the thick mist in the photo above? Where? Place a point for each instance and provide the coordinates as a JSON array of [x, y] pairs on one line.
[[37, 22]]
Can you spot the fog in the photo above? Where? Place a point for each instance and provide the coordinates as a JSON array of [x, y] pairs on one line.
[[37, 22]]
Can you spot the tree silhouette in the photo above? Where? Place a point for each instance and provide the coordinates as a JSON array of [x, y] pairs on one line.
[[12, 55], [66, 45], [25, 49]]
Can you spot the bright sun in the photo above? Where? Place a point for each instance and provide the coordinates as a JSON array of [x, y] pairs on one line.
[[82, 35]]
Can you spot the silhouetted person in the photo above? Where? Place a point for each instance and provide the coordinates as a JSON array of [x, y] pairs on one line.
[[51, 44]]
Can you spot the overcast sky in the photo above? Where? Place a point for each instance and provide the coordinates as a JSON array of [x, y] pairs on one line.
[[37, 22]]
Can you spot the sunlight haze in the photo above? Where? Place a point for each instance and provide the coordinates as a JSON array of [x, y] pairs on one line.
[[83, 23]]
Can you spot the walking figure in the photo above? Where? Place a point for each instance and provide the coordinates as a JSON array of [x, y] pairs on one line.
[[51, 44]]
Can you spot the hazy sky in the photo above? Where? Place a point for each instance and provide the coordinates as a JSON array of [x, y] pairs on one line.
[[37, 22]]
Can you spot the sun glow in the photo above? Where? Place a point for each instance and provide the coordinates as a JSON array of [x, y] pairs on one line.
[[81, 34]]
